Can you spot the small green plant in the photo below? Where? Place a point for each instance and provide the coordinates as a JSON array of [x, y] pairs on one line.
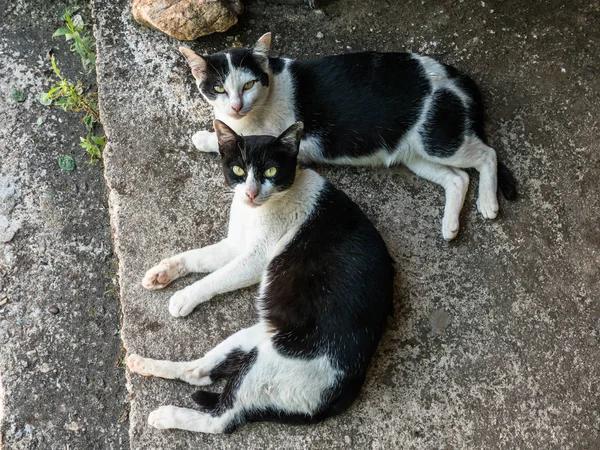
[[74, 96], [83, 43], [93, 145]]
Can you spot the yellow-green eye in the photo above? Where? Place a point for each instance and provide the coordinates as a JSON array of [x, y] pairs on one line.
[[238, 171], [248, 85], [219, 89], [270, 172]]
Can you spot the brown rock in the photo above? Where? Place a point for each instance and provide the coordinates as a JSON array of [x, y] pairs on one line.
[[187, 20]]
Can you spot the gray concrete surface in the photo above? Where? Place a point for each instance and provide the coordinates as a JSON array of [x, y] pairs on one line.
[[59, 387], [495, 342]]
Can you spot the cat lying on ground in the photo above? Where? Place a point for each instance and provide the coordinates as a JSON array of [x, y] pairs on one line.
[[326, 290], [368, 109]]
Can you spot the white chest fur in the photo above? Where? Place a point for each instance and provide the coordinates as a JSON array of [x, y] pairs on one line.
[[269, 228]]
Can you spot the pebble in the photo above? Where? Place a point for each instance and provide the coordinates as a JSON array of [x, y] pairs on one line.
[[45, 368], [73, 426], [27, 430], [53, 310], [319, 35], [439, 321]]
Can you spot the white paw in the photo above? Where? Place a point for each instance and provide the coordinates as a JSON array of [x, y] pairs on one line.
[[487, 205], [164, 417], [205, 141], [181, 304], [450, 228], [161, 275], [138, 364]]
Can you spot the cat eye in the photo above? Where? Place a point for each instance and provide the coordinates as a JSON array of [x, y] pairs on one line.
[[238, 171], [219, 89], [248, 85], [270, 172]]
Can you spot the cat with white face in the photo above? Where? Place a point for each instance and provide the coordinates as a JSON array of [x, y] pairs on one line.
[[371, 109], [326, 290]]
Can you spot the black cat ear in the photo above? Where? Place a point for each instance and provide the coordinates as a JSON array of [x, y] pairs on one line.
[[291, 137], [228, 139], [196, 62]]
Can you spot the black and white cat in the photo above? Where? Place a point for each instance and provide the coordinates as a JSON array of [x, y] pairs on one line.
[[326, 290], [372, 109]]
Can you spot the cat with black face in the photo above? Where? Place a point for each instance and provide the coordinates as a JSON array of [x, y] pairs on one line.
[[371, 109], [258, 166], [326, 290]]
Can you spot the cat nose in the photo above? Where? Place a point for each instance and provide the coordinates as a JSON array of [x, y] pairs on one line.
[[252, 193], [237, 107]]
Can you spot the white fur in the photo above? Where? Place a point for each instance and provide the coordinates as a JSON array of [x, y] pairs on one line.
[[255, 237], [240, 259], [293, 385]]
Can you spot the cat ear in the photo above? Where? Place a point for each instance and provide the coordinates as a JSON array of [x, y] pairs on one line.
[[196, 62], [261, 48], [291, 137], [227, 138]]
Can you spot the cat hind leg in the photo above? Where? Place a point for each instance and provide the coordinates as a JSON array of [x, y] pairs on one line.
[[455, 183], [192, 372], [218, 362], [475, 153]]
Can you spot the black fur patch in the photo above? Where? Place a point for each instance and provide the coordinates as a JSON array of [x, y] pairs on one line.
[[476, 112], [239, 366], [276, 65], [443, 133], [229, 366], [331, 289], [207, 400], [359, 102]]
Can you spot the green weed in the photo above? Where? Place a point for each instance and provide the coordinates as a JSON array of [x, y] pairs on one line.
[[76, 97], [83, 42]]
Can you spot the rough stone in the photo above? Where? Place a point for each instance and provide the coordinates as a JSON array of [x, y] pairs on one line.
[[519, 358], [187, 19], [60, 255]]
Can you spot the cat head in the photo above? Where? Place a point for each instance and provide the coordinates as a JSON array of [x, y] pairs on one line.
[[233, 81], [259, 168]]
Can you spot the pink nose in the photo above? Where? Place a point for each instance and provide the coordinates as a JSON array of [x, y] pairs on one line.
[[251, 193], [237, 107]]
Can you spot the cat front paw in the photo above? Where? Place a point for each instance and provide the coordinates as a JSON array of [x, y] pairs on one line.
[[164, 417], [182, 303], [138, 364], [162, 274], [205, 141], [487, 205]]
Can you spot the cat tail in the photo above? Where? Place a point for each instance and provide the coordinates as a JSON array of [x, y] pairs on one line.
[[506, 182], [207, 400]]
